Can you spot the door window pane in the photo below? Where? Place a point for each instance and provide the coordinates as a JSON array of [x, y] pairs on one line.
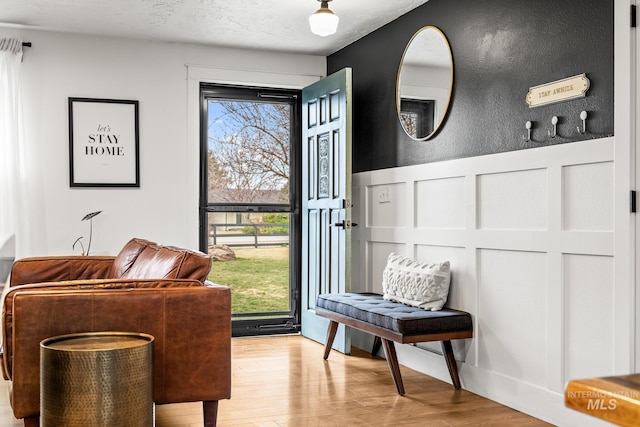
[[259, 274], [248, 152]]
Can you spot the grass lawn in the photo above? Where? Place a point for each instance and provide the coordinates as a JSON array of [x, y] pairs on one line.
[[258, 278]]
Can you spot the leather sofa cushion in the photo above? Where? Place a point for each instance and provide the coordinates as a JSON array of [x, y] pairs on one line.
[[142, 259], [127, 256]]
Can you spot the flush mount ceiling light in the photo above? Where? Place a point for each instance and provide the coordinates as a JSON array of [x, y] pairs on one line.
[[323, 22]]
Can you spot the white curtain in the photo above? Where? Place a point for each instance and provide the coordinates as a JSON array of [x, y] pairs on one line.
[[12, 158]]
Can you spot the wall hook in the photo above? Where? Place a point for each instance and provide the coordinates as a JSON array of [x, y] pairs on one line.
[[554, 122], [583, 117], [528, 126]]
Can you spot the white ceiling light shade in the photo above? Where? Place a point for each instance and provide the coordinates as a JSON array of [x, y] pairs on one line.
[[324, 22]]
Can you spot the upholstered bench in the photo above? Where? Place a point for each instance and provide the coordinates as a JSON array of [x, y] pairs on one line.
[[391, 321]]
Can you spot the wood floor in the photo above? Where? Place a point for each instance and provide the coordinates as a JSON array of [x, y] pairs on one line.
[[283, 381]]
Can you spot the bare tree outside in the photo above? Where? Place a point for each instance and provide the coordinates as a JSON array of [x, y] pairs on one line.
[[248, 152], [409, 122]]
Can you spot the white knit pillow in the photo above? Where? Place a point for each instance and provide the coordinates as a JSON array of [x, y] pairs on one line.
[[416, 283]]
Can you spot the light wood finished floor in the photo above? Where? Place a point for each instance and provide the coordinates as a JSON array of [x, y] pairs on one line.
[[283, 381]]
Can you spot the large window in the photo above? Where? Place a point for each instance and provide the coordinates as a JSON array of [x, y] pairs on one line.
[[249, 216]]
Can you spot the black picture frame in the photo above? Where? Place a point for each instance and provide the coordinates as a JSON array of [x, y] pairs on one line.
[[103, 143]]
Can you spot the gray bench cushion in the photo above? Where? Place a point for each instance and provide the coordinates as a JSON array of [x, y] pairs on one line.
[[404, 319]]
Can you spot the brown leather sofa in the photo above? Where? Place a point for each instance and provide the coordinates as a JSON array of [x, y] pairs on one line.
[[149, 288]]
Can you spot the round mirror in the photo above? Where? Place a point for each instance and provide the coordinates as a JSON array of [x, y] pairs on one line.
[[424, 84]]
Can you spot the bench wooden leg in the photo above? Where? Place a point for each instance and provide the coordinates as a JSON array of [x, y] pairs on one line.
[[394, 367], [377, 342], [447, 350], [331, 334]]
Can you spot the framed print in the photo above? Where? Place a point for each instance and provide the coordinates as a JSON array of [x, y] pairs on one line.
[[103, 143]]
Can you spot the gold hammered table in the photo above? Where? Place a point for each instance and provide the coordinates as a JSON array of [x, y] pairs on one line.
[[97, 379]]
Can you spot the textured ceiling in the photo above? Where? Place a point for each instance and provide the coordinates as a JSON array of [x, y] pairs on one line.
[[275, 25]]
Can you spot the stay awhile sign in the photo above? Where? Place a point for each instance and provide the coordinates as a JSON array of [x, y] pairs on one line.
[[560, 90]]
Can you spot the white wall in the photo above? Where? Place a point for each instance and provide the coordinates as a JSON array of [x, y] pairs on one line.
[[165, 207], [530, 237]]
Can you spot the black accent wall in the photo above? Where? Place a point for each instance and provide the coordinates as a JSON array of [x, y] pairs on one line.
[[500, 49]]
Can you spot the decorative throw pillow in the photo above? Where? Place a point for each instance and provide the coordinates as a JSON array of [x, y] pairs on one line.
[[416, 283]]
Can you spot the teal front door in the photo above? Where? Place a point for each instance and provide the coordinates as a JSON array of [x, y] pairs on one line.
[[326, 199]]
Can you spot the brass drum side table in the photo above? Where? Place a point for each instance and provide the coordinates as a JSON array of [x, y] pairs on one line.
[[100, 379]]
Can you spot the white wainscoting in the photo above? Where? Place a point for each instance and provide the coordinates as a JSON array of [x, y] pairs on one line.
[[530, 237]]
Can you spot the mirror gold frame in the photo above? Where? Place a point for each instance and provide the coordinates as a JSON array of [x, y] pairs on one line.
[[424, 83]]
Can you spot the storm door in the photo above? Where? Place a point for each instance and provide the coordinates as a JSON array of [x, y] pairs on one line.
[[249, 211]]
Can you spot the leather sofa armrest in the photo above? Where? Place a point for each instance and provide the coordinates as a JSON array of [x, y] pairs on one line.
[[61, 268]]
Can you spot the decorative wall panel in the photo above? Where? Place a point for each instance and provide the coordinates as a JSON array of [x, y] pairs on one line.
[[511, 299], [588, 318], [440, 203], [543, 297], [384, 205], [588, 199], [379, 251], [513, 200], [461, 293]]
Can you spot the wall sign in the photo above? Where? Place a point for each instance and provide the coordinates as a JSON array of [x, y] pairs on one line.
[[560, 90], [103, 143]]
